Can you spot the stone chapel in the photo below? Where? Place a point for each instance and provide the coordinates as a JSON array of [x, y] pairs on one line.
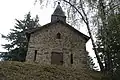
[[57, 43]]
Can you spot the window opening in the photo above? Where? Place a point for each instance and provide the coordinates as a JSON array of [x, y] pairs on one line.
[[71, 59], [58, 35], [35, 55]]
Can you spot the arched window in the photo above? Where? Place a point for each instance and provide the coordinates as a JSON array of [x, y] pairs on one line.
[[58, 36]]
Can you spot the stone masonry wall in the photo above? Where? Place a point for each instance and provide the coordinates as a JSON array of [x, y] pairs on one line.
[[45, 42]]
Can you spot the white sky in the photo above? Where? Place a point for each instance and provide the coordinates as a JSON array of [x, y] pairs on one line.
[[16, 9]]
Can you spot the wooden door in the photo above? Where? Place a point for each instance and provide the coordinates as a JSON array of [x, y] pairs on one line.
[[57, 58]]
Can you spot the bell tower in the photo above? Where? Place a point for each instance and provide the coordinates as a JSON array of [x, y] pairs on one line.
[[58, 14]]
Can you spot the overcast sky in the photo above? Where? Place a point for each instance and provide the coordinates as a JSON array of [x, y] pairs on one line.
[[16, 9]]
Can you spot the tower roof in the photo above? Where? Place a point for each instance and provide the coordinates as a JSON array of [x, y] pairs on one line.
[[58, 11], [58, 14]]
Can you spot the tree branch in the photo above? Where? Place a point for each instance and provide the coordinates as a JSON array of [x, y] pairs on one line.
[[76, 10], [85, 19]]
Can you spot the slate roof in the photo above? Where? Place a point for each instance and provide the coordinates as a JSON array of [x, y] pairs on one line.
[[58, 11]]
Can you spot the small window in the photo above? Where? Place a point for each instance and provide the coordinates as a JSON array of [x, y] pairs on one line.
[[71, 58], [35, 56], [58, 36]]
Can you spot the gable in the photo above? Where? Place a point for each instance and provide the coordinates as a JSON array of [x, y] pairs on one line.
[[28, 33]]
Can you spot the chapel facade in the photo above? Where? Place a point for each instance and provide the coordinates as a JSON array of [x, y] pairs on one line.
[[57, 43]]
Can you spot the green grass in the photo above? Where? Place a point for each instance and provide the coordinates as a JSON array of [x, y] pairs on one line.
[[32, 71]]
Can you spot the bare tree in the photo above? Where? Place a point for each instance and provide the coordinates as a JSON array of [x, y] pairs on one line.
[[78, 7]]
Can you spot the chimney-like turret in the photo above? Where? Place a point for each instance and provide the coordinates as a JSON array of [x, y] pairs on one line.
[[58, 14]]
